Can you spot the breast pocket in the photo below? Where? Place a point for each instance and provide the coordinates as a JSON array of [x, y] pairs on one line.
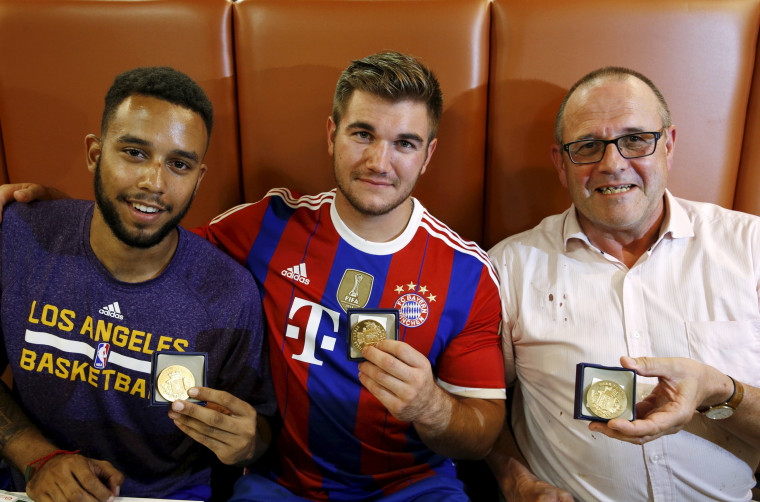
[[733, 347]]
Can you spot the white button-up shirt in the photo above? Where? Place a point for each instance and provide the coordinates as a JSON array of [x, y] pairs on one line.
[[695, 294]]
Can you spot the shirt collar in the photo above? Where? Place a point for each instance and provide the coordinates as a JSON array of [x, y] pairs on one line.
[[572, 228], [677, 222], [675, 225]]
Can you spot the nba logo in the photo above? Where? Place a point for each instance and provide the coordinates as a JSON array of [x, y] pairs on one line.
[[101, 356]]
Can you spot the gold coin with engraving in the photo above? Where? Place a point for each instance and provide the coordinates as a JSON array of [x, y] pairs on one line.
[[606, 399], [174, 381], [367, 332]]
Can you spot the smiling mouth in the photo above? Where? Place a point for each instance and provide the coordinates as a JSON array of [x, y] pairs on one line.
[[612, 190], [144, 209], [377, 182]]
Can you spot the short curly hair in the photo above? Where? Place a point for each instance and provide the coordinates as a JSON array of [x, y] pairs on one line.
[[161, 82]]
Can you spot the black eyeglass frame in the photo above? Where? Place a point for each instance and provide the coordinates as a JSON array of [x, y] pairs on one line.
[[657, 135]]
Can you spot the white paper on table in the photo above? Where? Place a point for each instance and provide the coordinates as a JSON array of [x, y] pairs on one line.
[[21, 497]]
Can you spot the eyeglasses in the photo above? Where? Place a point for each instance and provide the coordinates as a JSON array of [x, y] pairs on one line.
[[630, 146]]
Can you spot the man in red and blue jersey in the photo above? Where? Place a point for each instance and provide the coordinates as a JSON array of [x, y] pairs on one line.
[[384, 427]]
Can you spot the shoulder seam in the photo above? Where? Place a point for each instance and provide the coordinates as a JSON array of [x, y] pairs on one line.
[[311, 201], [441, 231]]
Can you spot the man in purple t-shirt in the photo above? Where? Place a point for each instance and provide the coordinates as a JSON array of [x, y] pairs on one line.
[[90, 291]]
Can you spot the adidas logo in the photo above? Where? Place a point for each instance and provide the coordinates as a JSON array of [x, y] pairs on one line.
[[297, 273], [112, 310]]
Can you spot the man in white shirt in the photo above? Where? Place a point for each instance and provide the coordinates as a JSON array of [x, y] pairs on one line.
[[629, 270]]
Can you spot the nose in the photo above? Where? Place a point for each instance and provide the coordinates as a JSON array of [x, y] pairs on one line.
[[612, 161], [378, 156], [152, 176]]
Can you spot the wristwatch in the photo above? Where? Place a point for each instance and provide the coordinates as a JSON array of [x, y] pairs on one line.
[[725, 410]]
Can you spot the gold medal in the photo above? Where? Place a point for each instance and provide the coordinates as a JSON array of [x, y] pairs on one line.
[[174, 381], [367, 332], [606, 399]]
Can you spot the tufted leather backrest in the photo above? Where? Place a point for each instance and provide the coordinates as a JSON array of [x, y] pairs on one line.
[[701, 54], [289, 56], [270, 67], [58, 58]]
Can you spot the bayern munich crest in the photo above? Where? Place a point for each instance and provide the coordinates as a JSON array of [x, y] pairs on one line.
[[413, 310]]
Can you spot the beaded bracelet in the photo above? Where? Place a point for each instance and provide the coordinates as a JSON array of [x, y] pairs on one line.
[[42, 461]]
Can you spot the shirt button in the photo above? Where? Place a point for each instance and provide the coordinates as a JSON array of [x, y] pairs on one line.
[[656, 459], [636, 334]]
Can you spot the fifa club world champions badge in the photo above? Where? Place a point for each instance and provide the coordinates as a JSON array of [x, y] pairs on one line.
[[369, 327]]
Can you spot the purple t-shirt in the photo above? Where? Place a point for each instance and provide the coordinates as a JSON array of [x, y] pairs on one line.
[[59, 306]]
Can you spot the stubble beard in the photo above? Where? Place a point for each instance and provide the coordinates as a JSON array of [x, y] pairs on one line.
[[360, 206], [133, 239]]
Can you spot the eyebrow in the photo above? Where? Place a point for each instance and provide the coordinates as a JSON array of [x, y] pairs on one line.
[[408, 136], [361, 125], [626, 132], [411, 137], [130, 139]]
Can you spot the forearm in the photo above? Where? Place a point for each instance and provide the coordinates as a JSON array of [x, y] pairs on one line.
[[745, 422], [463, 428], [20, 441], [716, 387], [515, 480], [506, 459]]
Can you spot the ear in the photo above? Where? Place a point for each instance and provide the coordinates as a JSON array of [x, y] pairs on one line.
[[93, 148], [430, 149], [670, 144], [331, 128], [559, 164], [201, 173]]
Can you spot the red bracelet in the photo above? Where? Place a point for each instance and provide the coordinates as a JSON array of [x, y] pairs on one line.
[[42, 461]]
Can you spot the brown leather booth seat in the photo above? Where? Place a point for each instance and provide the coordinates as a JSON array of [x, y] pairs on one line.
[[289, 56], [701, 54], [270, 68], [58, 58]]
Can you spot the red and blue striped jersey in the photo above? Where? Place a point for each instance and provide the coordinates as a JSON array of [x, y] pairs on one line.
[[338, 441]]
